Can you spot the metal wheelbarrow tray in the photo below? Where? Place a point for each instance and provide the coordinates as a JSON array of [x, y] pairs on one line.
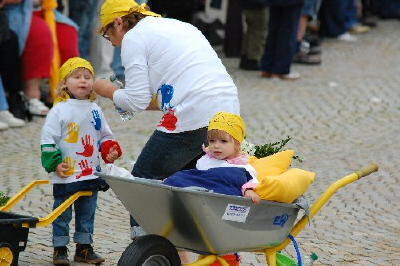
[[205, 222]]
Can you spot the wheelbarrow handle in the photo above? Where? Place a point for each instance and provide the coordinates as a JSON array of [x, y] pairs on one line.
[[367, 170]]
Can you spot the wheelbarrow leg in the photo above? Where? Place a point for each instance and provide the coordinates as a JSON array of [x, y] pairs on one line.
[[270, 255]]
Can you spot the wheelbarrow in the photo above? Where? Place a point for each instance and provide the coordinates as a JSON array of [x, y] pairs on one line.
[[14, 228], [208, 223]]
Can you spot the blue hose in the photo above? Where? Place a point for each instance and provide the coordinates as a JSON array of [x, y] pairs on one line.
[[296, 247]]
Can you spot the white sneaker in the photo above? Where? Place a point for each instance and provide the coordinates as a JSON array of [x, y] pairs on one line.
[[36, 107], [7, 118], [3, 126], [347, 37]]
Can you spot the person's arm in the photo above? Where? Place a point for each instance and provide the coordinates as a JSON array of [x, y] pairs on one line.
[[51, 155], [110, 149], [104, 88], [137, 94]]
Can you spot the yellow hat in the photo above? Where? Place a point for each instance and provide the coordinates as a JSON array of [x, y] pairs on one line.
[[230, 123], [72, 64], [65, 70], [112, 9]]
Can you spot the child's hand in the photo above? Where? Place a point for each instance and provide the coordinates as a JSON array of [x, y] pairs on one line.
[[253, 195], [61, 170], [112, 154]]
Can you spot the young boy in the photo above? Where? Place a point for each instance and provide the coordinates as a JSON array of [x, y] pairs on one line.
[[74, 136]]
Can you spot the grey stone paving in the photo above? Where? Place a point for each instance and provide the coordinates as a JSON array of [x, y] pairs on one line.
[[342, 115]]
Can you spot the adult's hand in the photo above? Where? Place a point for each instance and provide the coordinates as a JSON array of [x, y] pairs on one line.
[[104, 88]]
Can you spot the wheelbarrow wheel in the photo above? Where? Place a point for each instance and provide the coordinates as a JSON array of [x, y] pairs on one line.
[[6, 254], [150, 250]]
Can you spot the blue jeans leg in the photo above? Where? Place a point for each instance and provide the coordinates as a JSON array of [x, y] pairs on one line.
[[3, 99], [83, 13], [85, 208], [351, 14], [61, 224]]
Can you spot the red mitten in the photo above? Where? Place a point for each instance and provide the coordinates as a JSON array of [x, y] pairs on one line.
[[105, 149]]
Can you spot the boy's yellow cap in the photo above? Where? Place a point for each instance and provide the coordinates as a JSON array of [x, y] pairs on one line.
[[230, 123], [72, 64], [112, 9]]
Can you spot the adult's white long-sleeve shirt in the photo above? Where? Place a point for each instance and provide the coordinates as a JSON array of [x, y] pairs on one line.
[[173, 62]]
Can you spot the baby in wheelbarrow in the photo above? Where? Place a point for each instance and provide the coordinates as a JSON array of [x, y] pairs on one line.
[[224, 168]]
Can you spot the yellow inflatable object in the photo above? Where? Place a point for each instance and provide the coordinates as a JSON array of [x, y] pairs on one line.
[[274, 164], [285, 187], [277, 181]]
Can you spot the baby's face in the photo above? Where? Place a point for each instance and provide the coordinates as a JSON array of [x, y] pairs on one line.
[[222, 147]]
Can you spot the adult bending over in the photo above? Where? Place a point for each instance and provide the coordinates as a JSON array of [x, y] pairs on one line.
[[169, 66]]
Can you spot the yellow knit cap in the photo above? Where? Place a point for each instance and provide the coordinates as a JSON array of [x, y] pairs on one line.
[[112, 9], [230, 123], [72, 64]]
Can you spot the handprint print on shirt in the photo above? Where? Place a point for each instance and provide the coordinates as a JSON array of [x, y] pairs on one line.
[[71, 166], [73, 132], [86, 169], [97, 120], [167, 93], [88, 148]]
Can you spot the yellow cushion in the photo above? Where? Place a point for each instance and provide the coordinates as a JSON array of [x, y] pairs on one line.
[[274, 164], [285, 187]]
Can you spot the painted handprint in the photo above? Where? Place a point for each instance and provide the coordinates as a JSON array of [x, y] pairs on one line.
[[88, 148], [71, 165], [97, 120], [86, 169], [73, 132], [167, 93]]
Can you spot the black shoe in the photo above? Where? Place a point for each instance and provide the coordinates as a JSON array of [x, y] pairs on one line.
[[60, 256], [85, 253], [369, 22], [248, 64], [306, 59], [315, 50]]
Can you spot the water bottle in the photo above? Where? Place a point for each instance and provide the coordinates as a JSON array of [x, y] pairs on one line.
[[125, 115], [309, 260]]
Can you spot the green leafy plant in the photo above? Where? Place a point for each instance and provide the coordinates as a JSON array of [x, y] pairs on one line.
[[3, 199], [271, 148]]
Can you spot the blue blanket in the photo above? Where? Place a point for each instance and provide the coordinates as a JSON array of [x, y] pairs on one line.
[[224, 180]]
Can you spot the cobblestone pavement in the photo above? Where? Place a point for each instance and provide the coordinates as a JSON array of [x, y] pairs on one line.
[[342, 115]]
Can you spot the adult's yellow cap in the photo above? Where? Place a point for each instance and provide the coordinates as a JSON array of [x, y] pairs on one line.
[[232, 124], [112, 9], [72, 64]]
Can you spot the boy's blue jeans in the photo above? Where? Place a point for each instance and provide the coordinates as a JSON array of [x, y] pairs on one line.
[[85, 208], [3, 99]]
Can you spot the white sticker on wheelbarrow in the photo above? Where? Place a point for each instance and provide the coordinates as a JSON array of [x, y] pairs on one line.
[[236, 213]]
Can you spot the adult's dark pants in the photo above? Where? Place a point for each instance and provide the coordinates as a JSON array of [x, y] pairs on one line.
[[389, 8], [167, 153], [11, 75], [333, 17], [280, 46]]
